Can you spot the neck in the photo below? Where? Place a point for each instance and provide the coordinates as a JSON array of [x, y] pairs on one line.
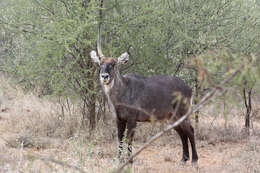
[[119, 78], [113, 91]]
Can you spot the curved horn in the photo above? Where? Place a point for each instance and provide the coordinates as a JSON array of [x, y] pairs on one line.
[[100, 54]]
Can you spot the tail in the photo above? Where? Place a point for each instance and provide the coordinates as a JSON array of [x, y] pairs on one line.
[[190, 106], [191, 103]]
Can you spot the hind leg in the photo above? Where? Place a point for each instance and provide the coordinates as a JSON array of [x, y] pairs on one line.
[[189, 131], [184, 140]]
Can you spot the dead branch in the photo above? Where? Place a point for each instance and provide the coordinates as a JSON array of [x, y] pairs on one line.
[[58, 162], [193, 109], [45, 7]]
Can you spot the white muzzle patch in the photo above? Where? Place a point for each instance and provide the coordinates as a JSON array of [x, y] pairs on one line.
[[105, 78], [106, 82]]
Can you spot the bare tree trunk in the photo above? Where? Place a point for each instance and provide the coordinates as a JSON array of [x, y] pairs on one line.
[[84, 114], [225, 111], [88, 95], [89, 112], [92, 111], [247, 102]]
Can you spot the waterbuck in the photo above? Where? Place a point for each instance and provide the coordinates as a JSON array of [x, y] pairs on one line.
[[134, 98]]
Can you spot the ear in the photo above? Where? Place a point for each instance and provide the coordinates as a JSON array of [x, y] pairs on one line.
[[123, 59], [94, 57]]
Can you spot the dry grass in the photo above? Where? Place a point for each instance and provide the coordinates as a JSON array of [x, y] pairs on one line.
[[31, 128], [32, 121]]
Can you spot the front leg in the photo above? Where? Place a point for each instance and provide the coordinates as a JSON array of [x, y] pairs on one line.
[[121, 126], [131, 124]]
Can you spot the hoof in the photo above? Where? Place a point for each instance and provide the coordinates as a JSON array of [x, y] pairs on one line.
[[194, 160], [195, 165], [184, 160]]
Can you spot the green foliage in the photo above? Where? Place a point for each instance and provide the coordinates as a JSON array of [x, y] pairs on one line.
[[46, 44], [54, 38], [166, 33], [215, 65]]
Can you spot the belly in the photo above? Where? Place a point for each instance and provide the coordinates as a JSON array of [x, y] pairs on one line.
[[151, 117]]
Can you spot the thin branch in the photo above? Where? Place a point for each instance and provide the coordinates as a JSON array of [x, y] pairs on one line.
[[193, 109], [25, 31], [58, 162], [179, 66], [45, 7]]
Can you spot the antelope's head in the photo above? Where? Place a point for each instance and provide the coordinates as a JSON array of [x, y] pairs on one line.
[[108, 66]]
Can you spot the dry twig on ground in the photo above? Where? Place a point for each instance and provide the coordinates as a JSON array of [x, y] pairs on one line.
[[58, 162]]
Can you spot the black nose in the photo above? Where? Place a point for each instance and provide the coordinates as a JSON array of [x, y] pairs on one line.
[[104, 76]]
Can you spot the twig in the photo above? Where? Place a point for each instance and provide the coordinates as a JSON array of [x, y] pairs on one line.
[[179, 66], [193, 109], [58, 162], [45, 7]]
